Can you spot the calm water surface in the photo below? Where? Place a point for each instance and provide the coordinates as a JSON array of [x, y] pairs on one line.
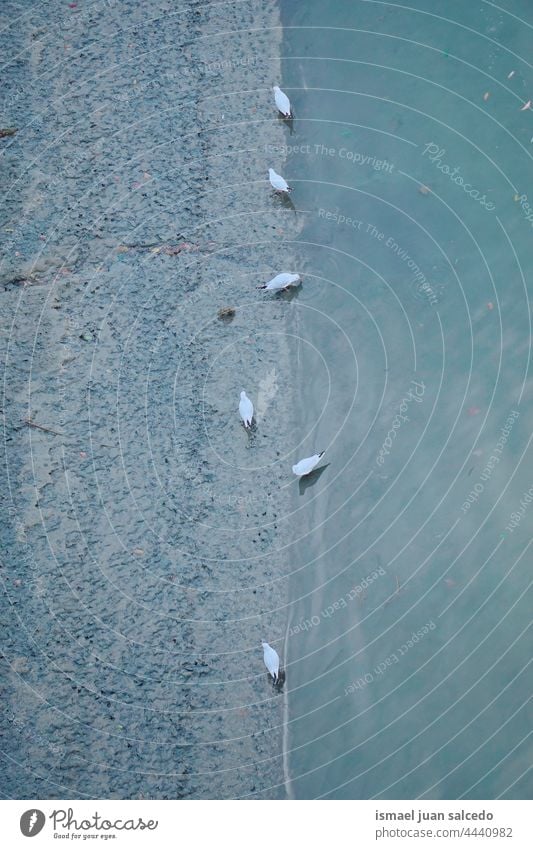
[[409, 638]]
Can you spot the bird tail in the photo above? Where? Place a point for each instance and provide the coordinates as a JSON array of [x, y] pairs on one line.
[[261, 287]]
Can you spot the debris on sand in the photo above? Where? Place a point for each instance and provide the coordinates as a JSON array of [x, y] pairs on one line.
[[157, 247], [226, 313], [42, 427]]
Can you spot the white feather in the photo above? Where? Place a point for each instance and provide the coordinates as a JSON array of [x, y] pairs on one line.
[[271, 658], [246, 409], [277, 182], [282, 102], [303, 467]]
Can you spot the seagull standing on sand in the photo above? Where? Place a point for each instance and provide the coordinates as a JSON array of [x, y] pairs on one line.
[[246, 409], [281, 281], [282, 102], [307, 465], [277, 182], [271, 658]]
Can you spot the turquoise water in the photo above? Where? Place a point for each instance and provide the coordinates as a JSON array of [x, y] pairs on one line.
[[409, 641]]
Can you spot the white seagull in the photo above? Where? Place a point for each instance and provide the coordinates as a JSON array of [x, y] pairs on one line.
[[281, 281], [246, 409], [277, 182], [271, 658], [307, 465], [282, 102]]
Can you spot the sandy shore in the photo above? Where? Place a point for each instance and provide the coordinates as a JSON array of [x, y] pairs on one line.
[[145, 559]]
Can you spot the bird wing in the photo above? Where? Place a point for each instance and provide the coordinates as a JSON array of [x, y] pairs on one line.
[[271, 660], [246, 409], [277, 282], [278, 182], [282, 102], [306, 465]]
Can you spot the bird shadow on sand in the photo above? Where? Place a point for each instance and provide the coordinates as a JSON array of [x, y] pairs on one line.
[[284, 201], [309, 480], [277, 685]]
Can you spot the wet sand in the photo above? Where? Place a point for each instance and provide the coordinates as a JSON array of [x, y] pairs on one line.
[[143, 559]]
